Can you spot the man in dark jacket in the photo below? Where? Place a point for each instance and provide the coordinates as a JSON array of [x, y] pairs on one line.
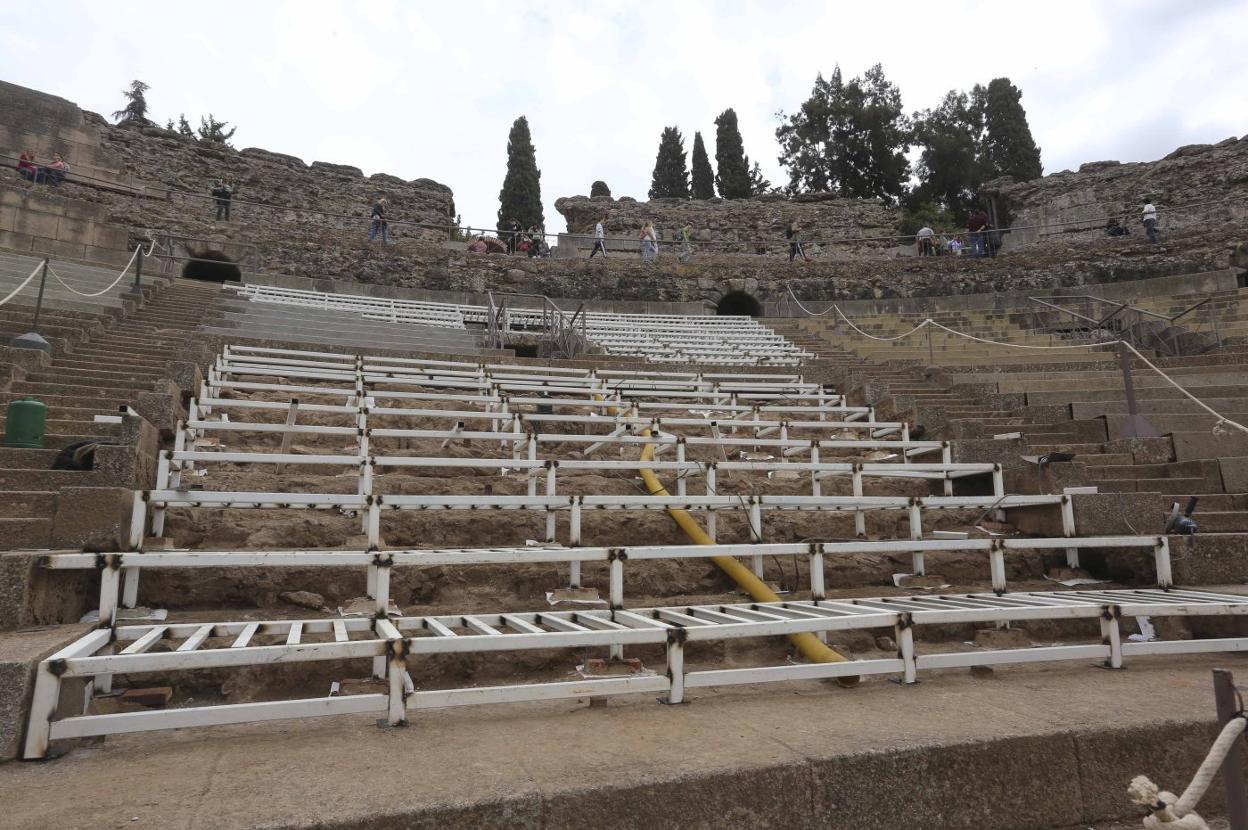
[[223, 192], [378, 225]]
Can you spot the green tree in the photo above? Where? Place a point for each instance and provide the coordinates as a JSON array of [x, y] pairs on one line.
[[599, 188], [521, 196], [949, 169], [136, 104], [848, 138], [671, 176], [184, 127], [733, 178], [759, 184], [1008, 148], [212, 130], [703, 175]]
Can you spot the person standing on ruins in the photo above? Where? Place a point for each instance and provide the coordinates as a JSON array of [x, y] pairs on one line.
[[224, 193], [685, 235], [599, 238], [513, 235], [379, 225], [649, 243], [794, 235], [976, 226], [1149, 217], [923, 240]]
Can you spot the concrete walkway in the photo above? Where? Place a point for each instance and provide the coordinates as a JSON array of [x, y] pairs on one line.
[[1029, 747]]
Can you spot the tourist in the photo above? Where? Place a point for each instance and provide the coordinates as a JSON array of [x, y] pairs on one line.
[[55, 172], [923, 240], [975, 226], [513, 235], [1150, 220], [379, 224], [955, 246], [1115, 228], [685, 235], [223, 193], [477, 246], [993, 239], [26, 167], [794, 235], [649, 243], [599, 238]]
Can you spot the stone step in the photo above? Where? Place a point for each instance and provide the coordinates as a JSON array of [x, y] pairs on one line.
[[1106, 459], [58, 374], [1186, 486], [28, 503], [1057, 444], [106, 364], [14, 458], [18, 533], [20, 479], [77, 430], [1177, 469], [1219, 521], [61, 403], [110, 392]]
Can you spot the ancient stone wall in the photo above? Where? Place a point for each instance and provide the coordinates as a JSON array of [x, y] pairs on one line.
[[738, 225], [1199, 184]]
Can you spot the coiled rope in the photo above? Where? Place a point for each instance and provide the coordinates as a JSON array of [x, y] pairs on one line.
[[111, 285], [1167, 812]]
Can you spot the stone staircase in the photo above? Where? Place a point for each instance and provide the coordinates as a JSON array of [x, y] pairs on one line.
[[101, 365]]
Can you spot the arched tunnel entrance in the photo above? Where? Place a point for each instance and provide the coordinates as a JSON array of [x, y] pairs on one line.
[[212, 266], [739, 303]]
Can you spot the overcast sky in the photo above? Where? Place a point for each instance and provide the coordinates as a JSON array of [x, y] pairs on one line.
[[430, 89]]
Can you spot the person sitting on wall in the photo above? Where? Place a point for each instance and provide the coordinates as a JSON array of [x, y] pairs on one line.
[[55, 172], [923, 239], [955, 246], [1115, 228], [477, 246], [26, 167], [378, 224]]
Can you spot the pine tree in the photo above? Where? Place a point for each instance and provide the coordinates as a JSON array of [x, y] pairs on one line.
[[599, 188], [703, 175], [759, 184], [949, 169], [1008, 148], [212, 130], [184, 127], [136, 104], [733, 178], [671, 177], [521, 196], [848, 138]]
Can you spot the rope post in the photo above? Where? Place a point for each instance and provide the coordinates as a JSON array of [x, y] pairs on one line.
[[1233, 767], [138, 268], [32, 339], [931, 360], [1136, 426]]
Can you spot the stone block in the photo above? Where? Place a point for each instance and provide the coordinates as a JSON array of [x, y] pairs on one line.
[[1041, 520], [1234, 474], [20, 653], [1144, 450], [32, 595], [162, 407], [72, 229], [93, 518], [1006, 452], [37, 223], [1205, 444], [1052, 478], [14, 241], [979, 785], [1214, 559], [8, 218], [1117, 514]]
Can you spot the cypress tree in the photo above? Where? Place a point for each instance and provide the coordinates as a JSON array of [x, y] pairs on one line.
[[703, 175], [136, 104], [671, 177], [599, 188], [733, 178], [1008, 148], [521, 196]]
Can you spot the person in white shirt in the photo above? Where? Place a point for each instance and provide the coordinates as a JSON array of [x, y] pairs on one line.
[[924, 241], [1150, 220], [599, 238]]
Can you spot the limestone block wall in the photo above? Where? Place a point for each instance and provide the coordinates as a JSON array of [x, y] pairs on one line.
[[38, 221]]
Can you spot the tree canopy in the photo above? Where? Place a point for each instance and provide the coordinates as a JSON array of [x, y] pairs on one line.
[[703, 185], [733, 177], [599, 188], [671, 176], [521, 196], [136, 104], [1007, 148]]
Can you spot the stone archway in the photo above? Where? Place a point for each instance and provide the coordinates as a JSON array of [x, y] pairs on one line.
[[739, 303], [211, 266]]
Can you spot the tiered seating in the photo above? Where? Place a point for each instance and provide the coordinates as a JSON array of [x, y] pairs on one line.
[[722, 340], [759, 444]]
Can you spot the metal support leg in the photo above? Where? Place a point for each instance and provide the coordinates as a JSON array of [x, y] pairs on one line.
[[1225, 697], [1111, 635], [1068, 530], [918, 559], [396, 659], [756, 532], [816, 485], [903, 633], [818, 589], [996, 566], [860, 515], [616, 595], [550, 491], [1161, 556], [574, 540], [712, 517], [676, 666]]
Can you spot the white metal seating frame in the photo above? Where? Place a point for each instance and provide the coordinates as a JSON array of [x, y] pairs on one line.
[[402, 641]]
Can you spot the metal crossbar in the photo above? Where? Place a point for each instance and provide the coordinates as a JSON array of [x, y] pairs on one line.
[[401, 641]]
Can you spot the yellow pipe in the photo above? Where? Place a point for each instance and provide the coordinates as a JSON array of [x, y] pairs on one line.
[[808, 644]]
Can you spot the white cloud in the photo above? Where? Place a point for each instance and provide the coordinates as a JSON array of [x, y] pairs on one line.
[[423, 89]]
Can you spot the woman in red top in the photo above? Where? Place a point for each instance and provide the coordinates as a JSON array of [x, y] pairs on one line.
[[26, 167]]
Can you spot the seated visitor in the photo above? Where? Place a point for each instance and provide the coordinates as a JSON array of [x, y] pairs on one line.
[[55, 172], [26, 167], [923, 239]]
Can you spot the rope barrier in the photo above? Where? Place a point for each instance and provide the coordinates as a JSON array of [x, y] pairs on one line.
[[25, 283], [111, 285], [1177, 813], [1189, 395]]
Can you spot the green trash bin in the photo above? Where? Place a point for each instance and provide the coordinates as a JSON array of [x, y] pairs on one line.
[[25, 423]]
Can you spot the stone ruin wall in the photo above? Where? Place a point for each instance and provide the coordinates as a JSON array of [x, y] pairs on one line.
[[749, 226], [1196, 173]]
